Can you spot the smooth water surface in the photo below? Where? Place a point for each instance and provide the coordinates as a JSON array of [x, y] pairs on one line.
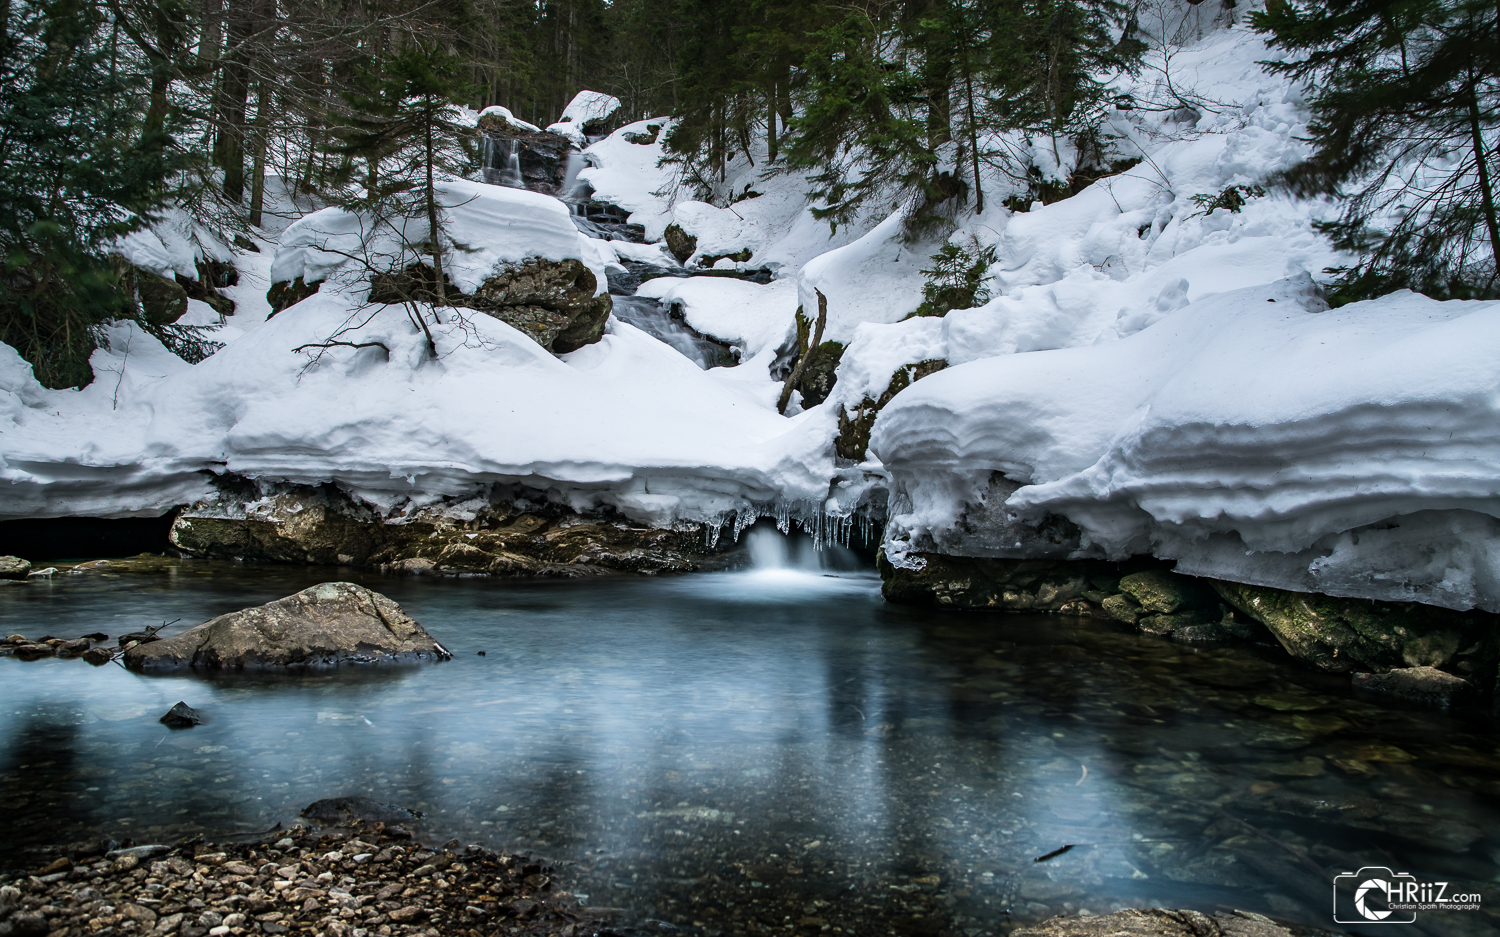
[[739, 752]]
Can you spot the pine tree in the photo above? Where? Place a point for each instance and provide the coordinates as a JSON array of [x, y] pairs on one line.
[[405, 126], [77, 170], [1405, 120]]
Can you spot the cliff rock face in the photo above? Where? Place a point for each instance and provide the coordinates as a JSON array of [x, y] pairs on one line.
[[298, 524], [327, 625], [543, 156]]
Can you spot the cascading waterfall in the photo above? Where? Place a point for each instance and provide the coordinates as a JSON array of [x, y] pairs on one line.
[[511, 175]]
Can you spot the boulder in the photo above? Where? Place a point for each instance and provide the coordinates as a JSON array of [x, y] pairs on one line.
[[163, 301], [553, 301], [284, 294], [680, 243], [1160, 922], [327, 625], [181, 716], [1419, 684], [543, 155], [13, 567]]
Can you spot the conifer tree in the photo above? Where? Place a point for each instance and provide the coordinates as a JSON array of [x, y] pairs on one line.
[[1405, 121]]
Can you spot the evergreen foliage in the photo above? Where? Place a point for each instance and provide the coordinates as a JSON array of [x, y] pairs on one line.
[[956, 279], [1406, 118]]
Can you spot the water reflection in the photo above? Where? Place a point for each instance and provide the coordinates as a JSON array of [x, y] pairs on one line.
[[744, 750]]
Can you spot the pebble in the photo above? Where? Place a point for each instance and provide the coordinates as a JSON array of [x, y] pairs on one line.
[[367, 882]]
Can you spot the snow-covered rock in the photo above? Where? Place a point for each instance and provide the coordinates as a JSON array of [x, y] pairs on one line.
[[1253, 437], [496, 112], [588, 113], [486, 225]]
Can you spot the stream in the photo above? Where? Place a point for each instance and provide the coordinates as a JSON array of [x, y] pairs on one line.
[[769, 748]]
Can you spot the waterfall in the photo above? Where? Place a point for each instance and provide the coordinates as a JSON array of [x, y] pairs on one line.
[[773, 551], [511, 175], [568, 189]]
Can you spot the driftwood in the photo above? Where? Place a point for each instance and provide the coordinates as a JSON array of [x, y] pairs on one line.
[[817, 339]]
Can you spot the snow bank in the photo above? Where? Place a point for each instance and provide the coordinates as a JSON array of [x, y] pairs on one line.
[[586, 107], [490, 224], [172, 243], [1252, 436], [627, 422]]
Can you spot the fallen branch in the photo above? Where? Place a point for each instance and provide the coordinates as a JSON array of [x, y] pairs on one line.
[[380, 345], [817, 339]]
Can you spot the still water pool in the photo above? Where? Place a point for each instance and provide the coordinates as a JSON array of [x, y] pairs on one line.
[[743, 751]]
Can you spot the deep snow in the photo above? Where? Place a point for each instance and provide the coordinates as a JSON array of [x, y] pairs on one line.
[[1128, 372]]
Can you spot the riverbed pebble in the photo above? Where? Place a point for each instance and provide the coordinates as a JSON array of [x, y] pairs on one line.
[[368, 882]]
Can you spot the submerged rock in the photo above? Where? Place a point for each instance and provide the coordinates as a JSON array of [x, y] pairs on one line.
[[327, 625], [342, 811], [1160, 922], [13, 567], [998, 584], [1420, 684]]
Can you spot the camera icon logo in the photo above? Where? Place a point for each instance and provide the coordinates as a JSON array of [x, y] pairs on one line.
[[1367, 896]]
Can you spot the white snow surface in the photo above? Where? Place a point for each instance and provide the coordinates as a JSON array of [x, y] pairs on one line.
[[172, 243], [496, 110], [1250, 424], [490, 224], [737, 312], [586, 106]]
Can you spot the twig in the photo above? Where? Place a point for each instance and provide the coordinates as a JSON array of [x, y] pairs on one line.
[[331, 344]]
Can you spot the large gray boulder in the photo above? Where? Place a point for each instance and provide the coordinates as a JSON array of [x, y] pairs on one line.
[[328, 625], [13, 567]]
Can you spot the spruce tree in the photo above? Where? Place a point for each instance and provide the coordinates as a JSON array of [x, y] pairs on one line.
[[1405, 118]]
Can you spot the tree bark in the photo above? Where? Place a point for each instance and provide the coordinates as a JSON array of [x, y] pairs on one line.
[[432, 221], [817, 339], [261, 141], [1481, 160]]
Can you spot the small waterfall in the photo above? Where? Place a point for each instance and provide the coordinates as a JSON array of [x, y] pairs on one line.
[[773, 551], [656, 320], [569, 188], [511, 174]]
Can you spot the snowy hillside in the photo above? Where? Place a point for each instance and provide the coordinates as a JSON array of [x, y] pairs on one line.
[[1129, 371]]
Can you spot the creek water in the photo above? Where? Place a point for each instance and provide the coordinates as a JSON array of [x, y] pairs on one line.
[[768, 749]]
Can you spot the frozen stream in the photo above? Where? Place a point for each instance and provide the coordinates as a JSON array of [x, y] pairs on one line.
[[776, 749]]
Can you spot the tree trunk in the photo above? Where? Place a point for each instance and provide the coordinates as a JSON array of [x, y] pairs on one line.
[[817, 339], [771, 124], [1481, 160], [234, 97], [432, 221], [261, 141], [973, 139]]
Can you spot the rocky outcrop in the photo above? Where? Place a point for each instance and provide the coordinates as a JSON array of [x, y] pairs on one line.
[[1160, 922], [855, 425], [284, 294], [1339, 634], [961, 582], [500, 537], [163, 301], [327, 625], [543, 156], [552, 301], [1181, 607], [817, 379]]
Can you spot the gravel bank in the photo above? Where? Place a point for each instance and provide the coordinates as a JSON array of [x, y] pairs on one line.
[[367, 881]]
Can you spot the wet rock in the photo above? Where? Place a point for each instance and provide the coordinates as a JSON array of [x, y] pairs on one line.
[[818, 378], [96, 636], [543, 156], [855, 426], [327, 625], [680, 243], [553, 301], [34, 651], [1000, 584], [1159, 591], [97, 656], [1420, 684], [73, 648], [13, 567], [1159, 922], [296, 524], [181, 716], [342, 811], [1341, 634], [137, 637]]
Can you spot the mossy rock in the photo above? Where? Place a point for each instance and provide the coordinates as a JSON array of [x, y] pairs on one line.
[[1342, 634], [285, 294], [962, 582], [819, 376], [163, 301], [680, 243], [1163, 593], [740, 256], [855, 427]]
